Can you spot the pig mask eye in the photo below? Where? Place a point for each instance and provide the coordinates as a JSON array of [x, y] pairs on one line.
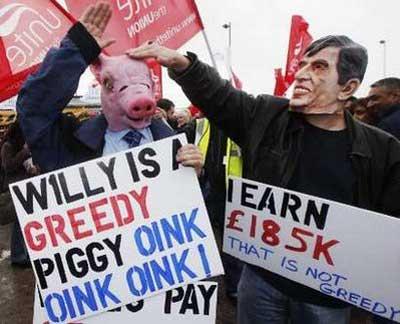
[[108, 84]]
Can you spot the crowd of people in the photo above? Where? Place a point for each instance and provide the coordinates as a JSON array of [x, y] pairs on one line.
[[319, 142]]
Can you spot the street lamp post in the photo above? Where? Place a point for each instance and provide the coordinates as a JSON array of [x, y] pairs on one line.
[[229, 27], [229, 51], [383, 42]]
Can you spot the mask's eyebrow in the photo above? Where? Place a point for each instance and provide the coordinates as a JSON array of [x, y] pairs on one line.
[[322, 62]]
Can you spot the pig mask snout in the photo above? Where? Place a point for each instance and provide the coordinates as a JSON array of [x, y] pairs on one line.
[[140, 107]]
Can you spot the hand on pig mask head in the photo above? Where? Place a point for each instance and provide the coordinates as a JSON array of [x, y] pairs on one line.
[[127, 96]]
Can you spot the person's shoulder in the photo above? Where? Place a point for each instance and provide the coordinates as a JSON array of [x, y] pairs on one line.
[[379, 139]]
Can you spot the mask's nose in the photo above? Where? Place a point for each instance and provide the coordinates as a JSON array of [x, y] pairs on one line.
[[142, 106]]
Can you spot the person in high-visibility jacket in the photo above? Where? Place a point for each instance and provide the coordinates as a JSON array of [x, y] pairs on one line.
[[222, 159], [232, 161]]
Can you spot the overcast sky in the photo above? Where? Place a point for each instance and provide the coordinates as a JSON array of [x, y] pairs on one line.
[[260, 34]]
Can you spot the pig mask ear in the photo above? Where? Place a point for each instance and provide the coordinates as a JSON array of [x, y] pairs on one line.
[[97, 66]]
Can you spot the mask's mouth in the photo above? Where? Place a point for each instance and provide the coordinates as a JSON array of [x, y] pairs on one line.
[[136, 120], [300, 90]]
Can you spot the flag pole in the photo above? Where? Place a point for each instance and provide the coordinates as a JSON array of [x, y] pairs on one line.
[[214, 64], [209, 49]]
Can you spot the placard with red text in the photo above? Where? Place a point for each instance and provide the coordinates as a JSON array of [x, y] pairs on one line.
[[342, 251], [114, 230]]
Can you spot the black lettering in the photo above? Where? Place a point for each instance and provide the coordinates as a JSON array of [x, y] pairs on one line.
[[132, 167], [286, 204], [148, 162], [86, 186], [230, 190], [32, 192], [80, 269], [109, 171], [245, 195], [207, 294], [56, 189], [135, 308], [41, 272], [117, 309], [115, 248], [267, 200], [102, 263], [176, 145], [190, 301], [60, 267], [319, 217], [64, 188], [170, 298]]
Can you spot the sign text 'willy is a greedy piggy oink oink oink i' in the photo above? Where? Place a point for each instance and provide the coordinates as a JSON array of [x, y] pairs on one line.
[[116, 229]]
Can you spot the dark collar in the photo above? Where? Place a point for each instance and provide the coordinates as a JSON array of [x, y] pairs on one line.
[[91, 132], [160, 130], [358, 139]]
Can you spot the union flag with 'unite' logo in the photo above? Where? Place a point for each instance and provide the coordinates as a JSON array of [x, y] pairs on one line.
[[27, 30]]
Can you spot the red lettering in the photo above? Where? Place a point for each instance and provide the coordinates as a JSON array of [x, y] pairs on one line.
[[56, 226], [232, 218], [98, 216], [117, 211], [40, 238], [270, 230], [253, 225], [76, 223], [296, 232], [141, 199], [322, 248]]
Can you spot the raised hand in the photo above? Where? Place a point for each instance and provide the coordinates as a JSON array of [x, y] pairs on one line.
[[95, 19], [165, 56]]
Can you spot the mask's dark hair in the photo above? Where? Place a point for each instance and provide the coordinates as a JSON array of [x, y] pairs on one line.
[[390, 84], [165, 104], [353, 58]]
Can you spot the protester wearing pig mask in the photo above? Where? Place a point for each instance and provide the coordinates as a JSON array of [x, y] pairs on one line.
[[127, 99]]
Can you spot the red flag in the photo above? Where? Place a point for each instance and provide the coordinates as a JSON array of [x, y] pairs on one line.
[[280, 86], [168, 22], [298, 42], [27, 30], [156, 76]]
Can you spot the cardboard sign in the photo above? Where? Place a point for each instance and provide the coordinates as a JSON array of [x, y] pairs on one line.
[[117, 229], [195, 303], [344, 252]]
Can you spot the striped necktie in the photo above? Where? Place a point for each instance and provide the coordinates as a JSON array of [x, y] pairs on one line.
[[133, 138]]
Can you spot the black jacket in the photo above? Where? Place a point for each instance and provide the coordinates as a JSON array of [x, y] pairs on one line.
[[389, 120], [270, 137]]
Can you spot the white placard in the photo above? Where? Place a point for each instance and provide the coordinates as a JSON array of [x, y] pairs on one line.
[[195, 303], [116, 229], [343, 251]]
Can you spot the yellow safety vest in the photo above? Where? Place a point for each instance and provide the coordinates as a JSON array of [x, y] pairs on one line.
[[233, 158]]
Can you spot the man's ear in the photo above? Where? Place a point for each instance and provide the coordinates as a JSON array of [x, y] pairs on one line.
[[348, 89], [97, 66]]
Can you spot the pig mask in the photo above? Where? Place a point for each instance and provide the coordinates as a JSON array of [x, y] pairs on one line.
[[127, 96]]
